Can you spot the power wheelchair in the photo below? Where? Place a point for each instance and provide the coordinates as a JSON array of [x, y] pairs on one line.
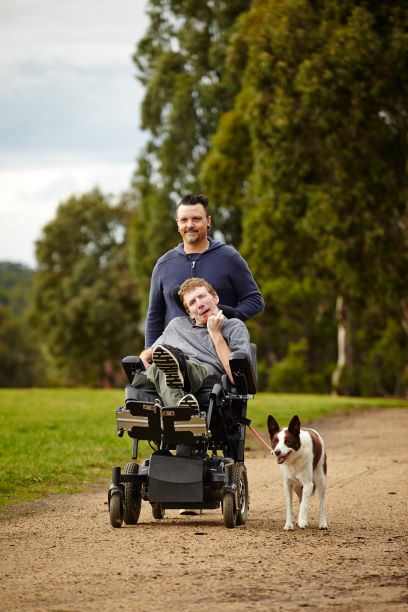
[[204, 479]]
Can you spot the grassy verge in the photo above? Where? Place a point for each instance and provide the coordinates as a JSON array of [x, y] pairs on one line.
[[54, 441], [310, 407], [58, 440]]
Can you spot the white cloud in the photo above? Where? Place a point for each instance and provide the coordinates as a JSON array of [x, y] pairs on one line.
[[29, 198], [83, 32], [67, 81], [64, 109], [69, 108]]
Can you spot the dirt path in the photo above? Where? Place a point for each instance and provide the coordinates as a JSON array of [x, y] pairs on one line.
[[65, 556]]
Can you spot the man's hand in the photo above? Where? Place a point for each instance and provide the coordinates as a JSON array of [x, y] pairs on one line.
[[214, 322], [147, 357], [214, 325]]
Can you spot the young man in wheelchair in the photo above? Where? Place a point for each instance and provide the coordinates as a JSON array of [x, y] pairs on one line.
[[200, 367], [192, 349]]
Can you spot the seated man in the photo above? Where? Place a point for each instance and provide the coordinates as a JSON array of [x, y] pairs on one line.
[[192, 348]]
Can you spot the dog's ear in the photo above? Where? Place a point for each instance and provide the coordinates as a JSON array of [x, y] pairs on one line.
[[294, 425], [273, 426]]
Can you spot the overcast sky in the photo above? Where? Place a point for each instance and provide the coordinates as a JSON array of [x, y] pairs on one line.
[[69, 108]]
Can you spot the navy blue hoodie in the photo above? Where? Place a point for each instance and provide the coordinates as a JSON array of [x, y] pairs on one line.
[[221, 265]]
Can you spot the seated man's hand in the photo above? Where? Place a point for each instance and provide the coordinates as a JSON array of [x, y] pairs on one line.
[[214, 325], [147, 357], [214, 322]]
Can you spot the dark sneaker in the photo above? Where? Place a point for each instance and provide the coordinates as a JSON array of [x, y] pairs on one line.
[[188, 401], [169, 364]]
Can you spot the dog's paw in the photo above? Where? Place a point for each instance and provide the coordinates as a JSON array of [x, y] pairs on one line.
[[302, 524], [323, 525], [288, 527]]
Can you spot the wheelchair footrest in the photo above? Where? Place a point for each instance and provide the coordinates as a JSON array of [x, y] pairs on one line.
[[140, 419], [183, 425], [150, 421]]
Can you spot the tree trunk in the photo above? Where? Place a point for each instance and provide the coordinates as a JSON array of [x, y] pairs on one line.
[[404, 320], [404, 323], [343, 347]]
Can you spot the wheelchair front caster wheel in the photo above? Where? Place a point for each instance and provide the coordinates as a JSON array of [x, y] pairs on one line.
[[157, 510], [228, 510], [116, 510], [133, 496]]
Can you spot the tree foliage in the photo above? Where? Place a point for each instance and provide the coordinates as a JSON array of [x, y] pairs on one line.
[[15, 286], [152, 230], [85, 301], [323, 103], [181, 61], [292, 116], [21, 361]]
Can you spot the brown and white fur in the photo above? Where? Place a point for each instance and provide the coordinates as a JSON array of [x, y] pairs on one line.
[[302, 462]]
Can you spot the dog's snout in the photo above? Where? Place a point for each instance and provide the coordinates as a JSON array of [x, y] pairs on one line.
[[277, 452]]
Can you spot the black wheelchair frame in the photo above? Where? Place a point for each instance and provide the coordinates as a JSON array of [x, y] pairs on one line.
[[202, 480]]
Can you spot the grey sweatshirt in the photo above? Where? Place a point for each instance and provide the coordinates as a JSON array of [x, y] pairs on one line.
[[195, 341]]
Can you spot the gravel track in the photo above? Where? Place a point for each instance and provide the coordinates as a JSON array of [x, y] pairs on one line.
[[64, 556]]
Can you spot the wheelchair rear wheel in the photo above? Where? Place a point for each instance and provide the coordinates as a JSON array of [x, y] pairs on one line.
[[235, 506], [241, 481], [133, 496]]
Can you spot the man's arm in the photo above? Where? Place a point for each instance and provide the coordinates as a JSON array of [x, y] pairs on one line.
[[214, 326], [156, 311], [147, 355], [250, 300]]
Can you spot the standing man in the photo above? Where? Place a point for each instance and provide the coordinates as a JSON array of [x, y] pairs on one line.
[[199, 256]]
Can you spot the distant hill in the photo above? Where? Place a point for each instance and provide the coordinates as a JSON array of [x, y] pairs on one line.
[[15, 286]]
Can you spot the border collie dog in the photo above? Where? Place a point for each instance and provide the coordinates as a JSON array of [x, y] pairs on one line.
[[302, 462]]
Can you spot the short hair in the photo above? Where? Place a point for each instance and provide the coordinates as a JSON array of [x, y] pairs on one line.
[[193, 283], [192, 198]]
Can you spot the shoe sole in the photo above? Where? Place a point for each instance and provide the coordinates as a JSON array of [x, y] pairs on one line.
[[168, 364], [188, 402]]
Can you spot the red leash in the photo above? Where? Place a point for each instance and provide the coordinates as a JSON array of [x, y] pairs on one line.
[[260, 438]]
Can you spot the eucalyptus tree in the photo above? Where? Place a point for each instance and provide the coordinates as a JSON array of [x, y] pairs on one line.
[[322, 115], [181, 62], [85, 300]]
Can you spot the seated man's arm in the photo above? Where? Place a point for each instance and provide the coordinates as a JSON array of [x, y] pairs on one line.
[[214, 325]]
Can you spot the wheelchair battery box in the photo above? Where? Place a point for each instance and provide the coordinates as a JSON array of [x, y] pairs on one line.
[[175, 479]]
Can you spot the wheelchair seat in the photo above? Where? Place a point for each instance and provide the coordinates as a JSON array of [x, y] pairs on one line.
[[243, 368], [202, 478], [223, 403]]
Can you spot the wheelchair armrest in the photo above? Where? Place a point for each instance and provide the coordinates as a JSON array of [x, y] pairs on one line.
[[132, 364], [243, 372]]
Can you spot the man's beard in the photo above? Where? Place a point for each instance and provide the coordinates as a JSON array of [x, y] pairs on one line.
[[191, 238]]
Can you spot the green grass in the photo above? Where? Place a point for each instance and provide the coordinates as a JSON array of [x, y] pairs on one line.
[[310, 407], [54, 441], [58, 440]]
